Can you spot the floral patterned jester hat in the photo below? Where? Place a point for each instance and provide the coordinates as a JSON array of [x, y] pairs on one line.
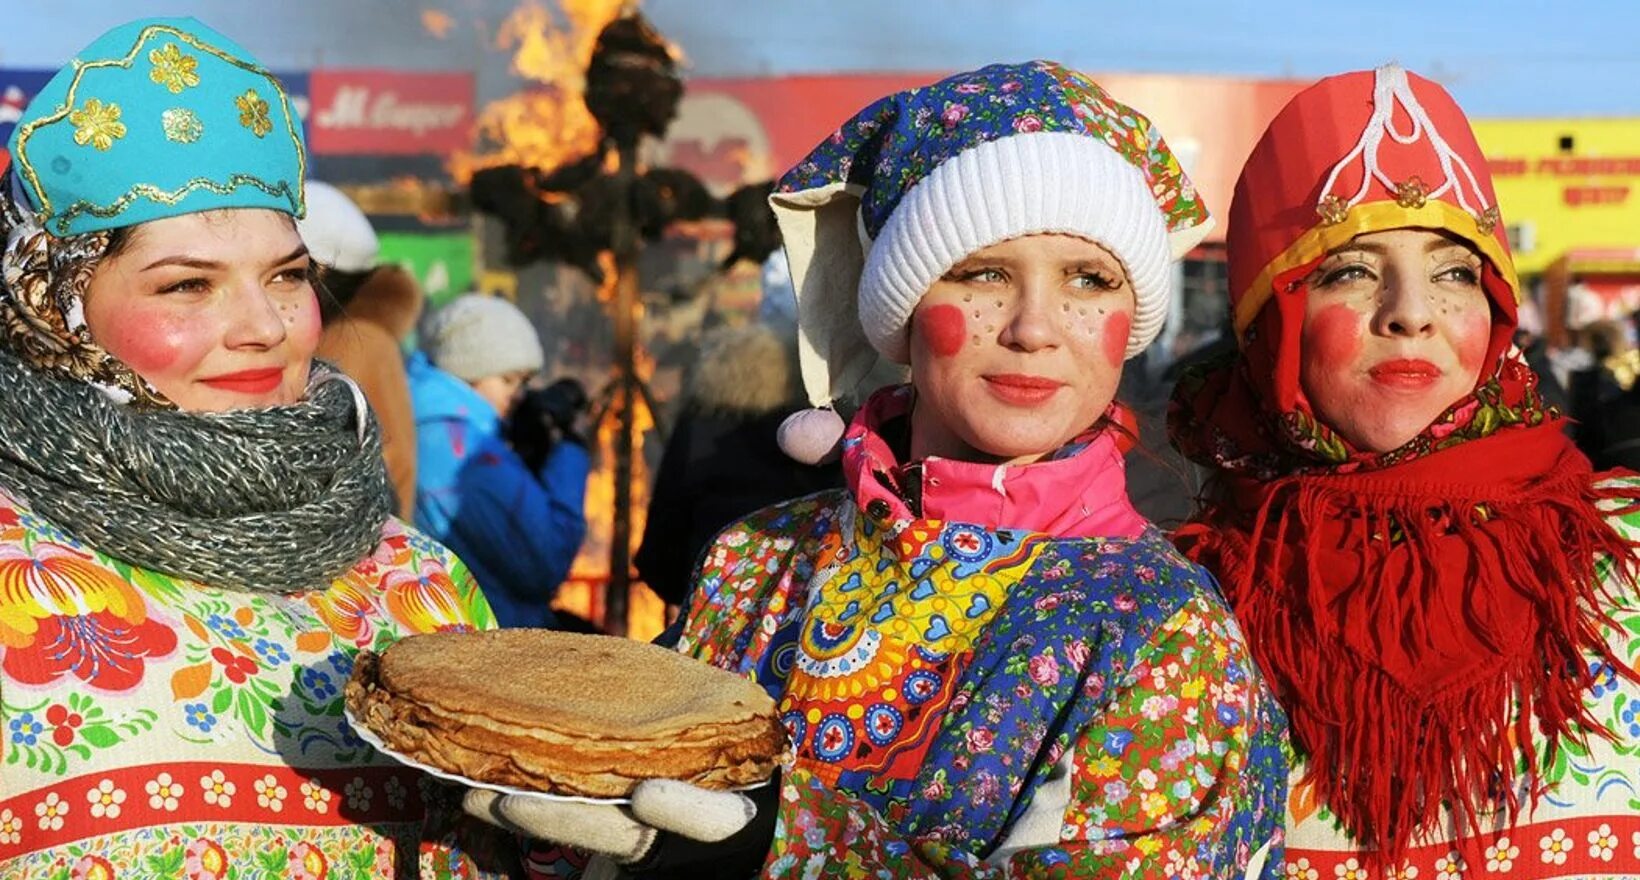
[[920, 179], [156, 118]]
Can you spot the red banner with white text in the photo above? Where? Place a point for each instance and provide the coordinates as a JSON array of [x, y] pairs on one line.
[[388, 112]]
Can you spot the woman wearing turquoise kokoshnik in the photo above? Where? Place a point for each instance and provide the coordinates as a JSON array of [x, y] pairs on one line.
[[989, 664], [194, 529]]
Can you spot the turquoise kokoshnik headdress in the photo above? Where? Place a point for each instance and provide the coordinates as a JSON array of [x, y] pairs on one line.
[[157, 118]]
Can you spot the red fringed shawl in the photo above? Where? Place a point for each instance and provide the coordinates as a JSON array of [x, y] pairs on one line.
[[1415, 618]]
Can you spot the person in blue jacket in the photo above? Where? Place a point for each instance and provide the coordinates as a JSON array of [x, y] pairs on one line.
[[517, 528]]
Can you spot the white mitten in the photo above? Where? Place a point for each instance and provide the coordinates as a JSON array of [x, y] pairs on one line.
[[609, 830], [696, 818], [691, 811]]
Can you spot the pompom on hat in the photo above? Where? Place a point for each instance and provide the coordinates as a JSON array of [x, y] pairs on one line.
[[157, 118], [922, 178]]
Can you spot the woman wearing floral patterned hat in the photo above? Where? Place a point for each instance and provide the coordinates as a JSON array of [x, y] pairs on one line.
[[1438, 585], [989, 664], [194, 529]]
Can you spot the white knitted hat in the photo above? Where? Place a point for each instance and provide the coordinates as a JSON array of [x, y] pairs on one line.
[[475, 336], [336, 232]]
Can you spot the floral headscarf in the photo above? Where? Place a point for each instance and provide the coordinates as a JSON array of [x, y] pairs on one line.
[[43, 283]]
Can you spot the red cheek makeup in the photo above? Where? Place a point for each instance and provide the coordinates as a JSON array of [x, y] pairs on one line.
[[150, 344], [1472, 336], [1334, 337], [944, 328], [1118, 328]]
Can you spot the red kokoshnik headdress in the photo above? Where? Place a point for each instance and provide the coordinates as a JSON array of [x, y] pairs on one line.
[[1426, 613]]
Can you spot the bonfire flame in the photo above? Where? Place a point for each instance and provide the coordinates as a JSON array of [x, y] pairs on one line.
[[437, 23], [582, 593], [547, 125]]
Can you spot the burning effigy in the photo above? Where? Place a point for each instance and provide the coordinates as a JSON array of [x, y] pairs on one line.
[[559, 169]]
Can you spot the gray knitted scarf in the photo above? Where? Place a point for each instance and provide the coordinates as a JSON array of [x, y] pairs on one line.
[[273, 500]]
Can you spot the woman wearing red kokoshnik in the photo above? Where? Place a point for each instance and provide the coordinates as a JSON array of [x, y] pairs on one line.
[[1439, 586]]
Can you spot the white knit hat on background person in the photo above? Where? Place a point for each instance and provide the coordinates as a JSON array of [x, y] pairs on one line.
[[920, 179], [475, 336], [337, 233]]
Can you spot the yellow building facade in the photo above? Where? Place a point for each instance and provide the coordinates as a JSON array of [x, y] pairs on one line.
[[1569, 190], [1565, 185]]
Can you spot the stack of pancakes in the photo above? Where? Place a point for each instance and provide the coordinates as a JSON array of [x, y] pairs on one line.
[[564, 713]]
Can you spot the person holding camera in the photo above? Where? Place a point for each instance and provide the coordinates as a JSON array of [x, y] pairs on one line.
[[506, 496]]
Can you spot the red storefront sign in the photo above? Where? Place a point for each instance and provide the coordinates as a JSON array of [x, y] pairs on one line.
[[735, 131], [384, 112]]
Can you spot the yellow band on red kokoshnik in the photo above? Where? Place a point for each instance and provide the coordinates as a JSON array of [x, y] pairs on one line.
[[1362, 219]]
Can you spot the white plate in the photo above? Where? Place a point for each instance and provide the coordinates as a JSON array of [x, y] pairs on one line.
[[369, 736]]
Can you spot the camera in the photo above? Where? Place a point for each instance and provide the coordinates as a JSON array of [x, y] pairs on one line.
[[545, 417]]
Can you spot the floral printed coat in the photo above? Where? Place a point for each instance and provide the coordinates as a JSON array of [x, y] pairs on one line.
[[972, 700], [156, 727]]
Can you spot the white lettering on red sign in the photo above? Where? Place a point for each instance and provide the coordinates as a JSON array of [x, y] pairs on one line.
[[357, 107], [390, 112]]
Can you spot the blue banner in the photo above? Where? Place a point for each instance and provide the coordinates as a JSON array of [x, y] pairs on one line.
[[17, 88]]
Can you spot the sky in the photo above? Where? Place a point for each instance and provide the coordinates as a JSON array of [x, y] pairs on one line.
[[1504, 58]]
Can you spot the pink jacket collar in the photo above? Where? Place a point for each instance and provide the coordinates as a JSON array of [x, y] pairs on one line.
[[1081, 495]]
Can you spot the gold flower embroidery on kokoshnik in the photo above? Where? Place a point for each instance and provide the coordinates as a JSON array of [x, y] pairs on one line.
[[181, 125], [97, 124], [172, 69], [253, 113]]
